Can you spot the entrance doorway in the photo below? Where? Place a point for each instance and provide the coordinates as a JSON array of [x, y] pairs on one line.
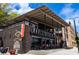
[[36, 43]]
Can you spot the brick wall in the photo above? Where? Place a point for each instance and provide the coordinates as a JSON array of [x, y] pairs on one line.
[[8, 36]]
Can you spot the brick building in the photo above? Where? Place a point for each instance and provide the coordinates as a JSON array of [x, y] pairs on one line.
[[43, 29]]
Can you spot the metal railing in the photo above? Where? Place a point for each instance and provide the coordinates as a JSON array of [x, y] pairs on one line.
[[40, 32]]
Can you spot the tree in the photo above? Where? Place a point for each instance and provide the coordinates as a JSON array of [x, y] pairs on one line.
[[4, 13]]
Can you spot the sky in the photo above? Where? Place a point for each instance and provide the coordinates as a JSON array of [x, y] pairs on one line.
[[67, 11]]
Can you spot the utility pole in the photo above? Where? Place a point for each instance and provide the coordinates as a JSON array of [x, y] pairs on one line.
[[76, 38], [75, 28]]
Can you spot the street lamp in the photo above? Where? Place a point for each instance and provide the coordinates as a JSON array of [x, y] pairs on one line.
[[76, 38]]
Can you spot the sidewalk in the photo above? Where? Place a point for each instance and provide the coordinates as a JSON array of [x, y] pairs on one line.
[[72, 51]]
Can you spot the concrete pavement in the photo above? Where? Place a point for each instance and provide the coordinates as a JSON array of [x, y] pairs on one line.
[[72, 51]]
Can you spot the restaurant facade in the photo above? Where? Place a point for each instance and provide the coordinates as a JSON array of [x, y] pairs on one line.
[[38, 29]]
